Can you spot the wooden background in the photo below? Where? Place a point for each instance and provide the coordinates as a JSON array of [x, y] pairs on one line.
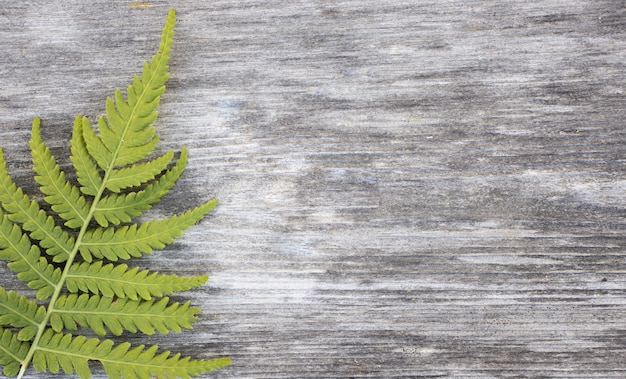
[[407, 188]]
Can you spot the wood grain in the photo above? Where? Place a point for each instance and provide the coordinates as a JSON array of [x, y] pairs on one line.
[[407, 189]]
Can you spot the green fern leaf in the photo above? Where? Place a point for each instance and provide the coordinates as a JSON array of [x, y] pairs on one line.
[[12, 352], [86, 169], [138, 174], [95, 147], [120, 281], [127, 133], [118, 315], [117, 181], [64, 351], [133, 241], [22, 210], [25, 259], [65, 199], [118, 208], [20, 312]]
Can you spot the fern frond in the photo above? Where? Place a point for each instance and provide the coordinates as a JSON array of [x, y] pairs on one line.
[[12, 352], [64, 198], [26, 260], [116, 182], [20, 312], [117, 208], [72, 354], [133, 241], [118, 315], [86, 169], [120, 281], [55, 240], [138, 174]]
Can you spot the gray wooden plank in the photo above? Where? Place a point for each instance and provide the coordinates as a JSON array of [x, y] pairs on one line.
[[407, 188]]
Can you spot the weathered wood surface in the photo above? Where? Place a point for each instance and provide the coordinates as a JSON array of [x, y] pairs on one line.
[[408, 188]]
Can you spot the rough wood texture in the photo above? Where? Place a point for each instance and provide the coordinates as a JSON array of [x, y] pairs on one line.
[[408, 188]]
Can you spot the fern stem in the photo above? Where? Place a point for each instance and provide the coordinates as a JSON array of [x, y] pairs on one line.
[[58, 288], [61, 284]]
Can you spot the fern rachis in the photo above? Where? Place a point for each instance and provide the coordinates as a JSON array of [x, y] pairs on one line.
[[73, 265]]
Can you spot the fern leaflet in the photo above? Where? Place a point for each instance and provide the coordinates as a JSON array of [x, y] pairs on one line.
[[64, 351], [117, 208], [73, 263], [121, 281], [121, 314]]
